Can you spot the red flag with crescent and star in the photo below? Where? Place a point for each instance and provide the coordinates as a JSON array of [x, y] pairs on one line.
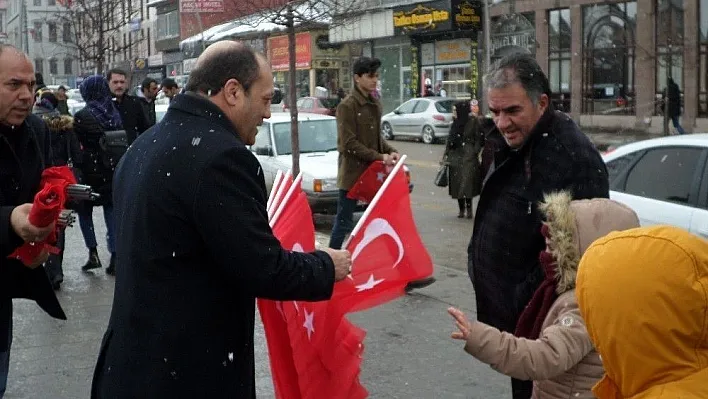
[[315, 351]]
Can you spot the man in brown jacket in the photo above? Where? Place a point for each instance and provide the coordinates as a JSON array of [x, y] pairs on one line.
[[359, 142]]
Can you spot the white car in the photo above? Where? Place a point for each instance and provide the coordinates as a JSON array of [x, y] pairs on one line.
[[427, 118], [664, 180], [160, 111], [318, 156]]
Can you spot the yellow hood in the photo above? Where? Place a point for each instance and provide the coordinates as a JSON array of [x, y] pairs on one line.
[[644, 296]]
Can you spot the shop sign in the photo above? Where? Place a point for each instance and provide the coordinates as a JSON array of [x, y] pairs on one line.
[[188, 64], [205, 6], [155, 59], [467, 14], [433, 16], [279, 55], [453, 51], [140, 64]]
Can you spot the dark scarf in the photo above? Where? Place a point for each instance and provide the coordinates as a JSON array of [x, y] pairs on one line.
[[533, 316], [457, 129], [99, 102]]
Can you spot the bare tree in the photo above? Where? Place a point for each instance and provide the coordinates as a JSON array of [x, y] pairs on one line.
[[294, 15], [97, 29]]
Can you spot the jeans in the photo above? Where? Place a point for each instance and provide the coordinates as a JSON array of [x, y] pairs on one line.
[[87, 229], [677, 125], [344, 221], [5, 317]]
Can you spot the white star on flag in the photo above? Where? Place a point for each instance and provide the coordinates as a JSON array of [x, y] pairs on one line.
[[369, 284], [309, 320], [380, 176]]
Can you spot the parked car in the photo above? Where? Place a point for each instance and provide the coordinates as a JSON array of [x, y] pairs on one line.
[[428, 118], [664, 180], [160, 111], [316, 105], [318, 159]]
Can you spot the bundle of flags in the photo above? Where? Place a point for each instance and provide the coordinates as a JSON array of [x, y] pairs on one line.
[[315, 351], [46, 209]]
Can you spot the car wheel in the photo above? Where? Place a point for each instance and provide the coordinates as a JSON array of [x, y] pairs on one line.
[[428, 135], [387, 131]]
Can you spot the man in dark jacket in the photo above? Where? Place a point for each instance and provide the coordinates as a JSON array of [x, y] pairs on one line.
[[24, 153], [544, 151], [674, 99], [194, 245], [146, 97], [134, 119]]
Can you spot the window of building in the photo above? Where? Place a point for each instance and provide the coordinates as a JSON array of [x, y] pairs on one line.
[[608, 59], [39, 65], [51, 2], [52, 34], [168, 25], [66, 33], [703, 73], [669, 47], [559, 38], [68, 66], [665, 174], [512, 33], [53, 68], [37, 32], [37, 2]]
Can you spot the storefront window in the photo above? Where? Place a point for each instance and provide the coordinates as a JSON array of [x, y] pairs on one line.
[[608, 62], [302, 85], [703, 73], [512, 33], [559, 38], [669, 49], [394, 75]]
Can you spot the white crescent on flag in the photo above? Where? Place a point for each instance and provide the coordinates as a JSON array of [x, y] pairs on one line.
[[377, 228]]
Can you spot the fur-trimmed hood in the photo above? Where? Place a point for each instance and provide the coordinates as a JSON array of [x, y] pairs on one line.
[[59, 123], [574, 225]]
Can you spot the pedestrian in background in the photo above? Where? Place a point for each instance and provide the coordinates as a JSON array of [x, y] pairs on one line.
[[543, 150], [551, 345], [462, 154], [91, 124]]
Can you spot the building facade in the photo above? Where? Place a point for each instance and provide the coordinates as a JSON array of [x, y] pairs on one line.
[[607, 61]]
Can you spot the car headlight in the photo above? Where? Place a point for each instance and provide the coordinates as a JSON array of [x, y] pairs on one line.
[[320, 185]]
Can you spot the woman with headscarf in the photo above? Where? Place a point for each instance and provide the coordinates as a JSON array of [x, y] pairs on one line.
[[462, 153], [90, 124]]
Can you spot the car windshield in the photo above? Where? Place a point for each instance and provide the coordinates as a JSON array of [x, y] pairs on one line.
[[444, 106], [315, 136], [329, 102]]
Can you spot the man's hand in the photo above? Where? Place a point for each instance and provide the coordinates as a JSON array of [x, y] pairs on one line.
[[19, 219], [390, 159], [342, 260], [39, 260], [463, 325]]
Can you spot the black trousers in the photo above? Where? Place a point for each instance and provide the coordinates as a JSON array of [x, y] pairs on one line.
[[521, 389], [53, 266]]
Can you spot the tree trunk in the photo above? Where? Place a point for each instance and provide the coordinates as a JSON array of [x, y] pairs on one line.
[[101, 55], [294, 135]]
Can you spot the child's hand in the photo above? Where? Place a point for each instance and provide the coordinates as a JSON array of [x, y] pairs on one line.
[[462, 323]]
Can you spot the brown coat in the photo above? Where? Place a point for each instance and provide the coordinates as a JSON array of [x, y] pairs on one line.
[[359, 139], [563, 362]]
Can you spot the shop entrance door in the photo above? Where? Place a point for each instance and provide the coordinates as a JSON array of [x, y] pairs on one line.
[[427, 79], [406, 92]]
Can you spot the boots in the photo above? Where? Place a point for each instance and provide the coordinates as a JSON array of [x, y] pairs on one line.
[[461, 205], [93, 262], [468, 207], [111, 270]]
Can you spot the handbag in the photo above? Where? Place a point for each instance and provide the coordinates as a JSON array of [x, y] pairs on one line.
[[442, 178], [114, 144]]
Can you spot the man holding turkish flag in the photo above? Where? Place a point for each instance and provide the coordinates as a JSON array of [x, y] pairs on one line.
[[24, 153]]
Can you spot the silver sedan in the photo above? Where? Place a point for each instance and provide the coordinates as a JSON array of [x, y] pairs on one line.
[[427, 118]]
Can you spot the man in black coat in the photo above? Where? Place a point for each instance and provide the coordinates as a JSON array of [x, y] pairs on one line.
[[146, 98], [543, 151], [194, 248], [134, 119], [25, 151]]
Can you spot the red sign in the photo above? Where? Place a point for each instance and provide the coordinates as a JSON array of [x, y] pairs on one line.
[[279, 55], [201, 6]]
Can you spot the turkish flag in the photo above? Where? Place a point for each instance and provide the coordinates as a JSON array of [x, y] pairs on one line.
[[46, 207], [387, 253], [369, 182], [315, 351]]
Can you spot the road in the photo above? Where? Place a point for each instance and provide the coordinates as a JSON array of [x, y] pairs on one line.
[[408, 350]]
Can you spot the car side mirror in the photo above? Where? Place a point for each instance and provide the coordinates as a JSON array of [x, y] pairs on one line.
[[396, 111], [267, 150]]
